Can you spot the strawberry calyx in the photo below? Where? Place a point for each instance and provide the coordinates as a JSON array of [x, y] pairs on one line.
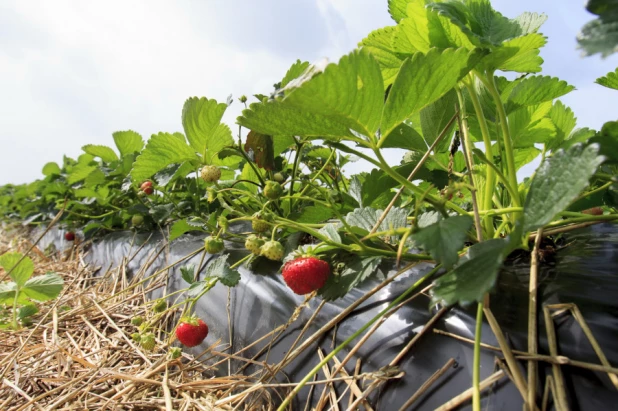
[[192, 320]]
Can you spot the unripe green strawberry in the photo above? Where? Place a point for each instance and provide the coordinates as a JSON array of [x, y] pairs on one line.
[[273, 250], [259, 223], [136, 337], [278, 177], [137, 320], [243, 99], [273, 190], [175, 352], [223, 223], [159, 306], [213, 245], [147, 341], [137, 220], [254, 244], [210, 174]]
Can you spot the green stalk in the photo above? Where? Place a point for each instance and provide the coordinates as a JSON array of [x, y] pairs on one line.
[[476, 368], [299, 148], [15, 326], [506, 137], [326, 359], [490, 177]]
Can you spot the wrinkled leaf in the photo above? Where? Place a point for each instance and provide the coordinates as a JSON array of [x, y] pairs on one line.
[[475, 274], [356, 271], [444, 239], [557, 182]]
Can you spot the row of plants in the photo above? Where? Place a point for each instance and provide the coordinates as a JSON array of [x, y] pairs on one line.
[[454, 83]]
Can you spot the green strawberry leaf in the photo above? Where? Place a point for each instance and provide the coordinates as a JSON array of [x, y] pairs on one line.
[[294, 72], [201, 119], [128, 142], [162, 150], [379, 44], [423, 79], [27, 310], [7, 293], [557, 182], [181, 227], [435, 117], [220, 269], [537, 89], [313, 215], [51, 169], [161, 212], [103, 152], [43, 287], [397, 9], [610, 80], [474, 275], [356, 271], [444, 239], [365, 218], [607, 139], [519, 54], [330, 231], [407, 138], [79, 172], [564, 122], [188, 273], [347, 95], [22, 271], [600, 35], [355, 190], [424, 28]]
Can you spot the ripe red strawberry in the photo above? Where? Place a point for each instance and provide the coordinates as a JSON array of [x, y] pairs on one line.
[[306, 274], [69, 236], [145, 185], [148, 190], [191, 331]]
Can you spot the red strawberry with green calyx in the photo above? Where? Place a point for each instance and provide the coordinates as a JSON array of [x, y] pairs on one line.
[[306, 274], [191, 331]]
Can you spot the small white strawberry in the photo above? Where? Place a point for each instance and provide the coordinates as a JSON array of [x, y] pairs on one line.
[[210, 174]]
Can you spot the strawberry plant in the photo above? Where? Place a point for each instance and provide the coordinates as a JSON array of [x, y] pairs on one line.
[[455, 84], [24, 291]]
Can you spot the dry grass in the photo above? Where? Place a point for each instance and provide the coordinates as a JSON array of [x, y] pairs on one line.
[[78, 354]]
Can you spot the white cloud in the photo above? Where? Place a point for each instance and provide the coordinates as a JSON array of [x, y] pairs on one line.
[[94, 69]]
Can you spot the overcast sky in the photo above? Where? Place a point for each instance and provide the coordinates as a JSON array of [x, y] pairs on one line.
[[73, 72]]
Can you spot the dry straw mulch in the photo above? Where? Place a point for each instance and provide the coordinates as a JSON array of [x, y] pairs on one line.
[[78, 353]]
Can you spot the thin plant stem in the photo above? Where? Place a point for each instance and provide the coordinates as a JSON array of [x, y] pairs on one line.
[[506, 136]]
